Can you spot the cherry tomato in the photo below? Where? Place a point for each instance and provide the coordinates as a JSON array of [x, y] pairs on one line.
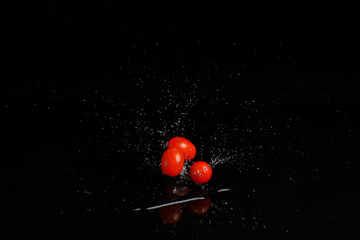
[[172, 162], [185, 146], [200, 206], [200, 172]]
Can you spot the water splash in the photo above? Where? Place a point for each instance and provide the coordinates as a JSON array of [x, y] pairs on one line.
[[182, 105], [184, 175], [215, 160]]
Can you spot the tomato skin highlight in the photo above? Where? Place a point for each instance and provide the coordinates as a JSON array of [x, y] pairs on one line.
[[184, 145], [172, 162], [200, 172]]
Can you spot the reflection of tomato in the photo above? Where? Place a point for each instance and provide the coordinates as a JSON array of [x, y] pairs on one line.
[[200, 206], [177, 190], [200, 172], [172, 162], [171, 214], [185, 146]]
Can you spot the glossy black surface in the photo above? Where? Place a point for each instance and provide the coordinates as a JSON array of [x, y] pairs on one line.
[[272, 102]]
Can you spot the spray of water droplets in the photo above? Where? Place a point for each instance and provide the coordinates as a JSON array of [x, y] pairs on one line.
[[179, 106]]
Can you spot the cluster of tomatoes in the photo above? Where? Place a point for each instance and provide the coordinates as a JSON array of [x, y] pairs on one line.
[[181, 150]]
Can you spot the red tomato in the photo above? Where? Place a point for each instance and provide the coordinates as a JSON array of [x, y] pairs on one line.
[[200, 206], [200, 172], [185, 146], [172, 162]]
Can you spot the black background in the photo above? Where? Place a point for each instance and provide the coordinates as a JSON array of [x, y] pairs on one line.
[[81, 83]]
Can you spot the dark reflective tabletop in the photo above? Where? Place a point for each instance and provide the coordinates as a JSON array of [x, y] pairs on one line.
[[86, 116]]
